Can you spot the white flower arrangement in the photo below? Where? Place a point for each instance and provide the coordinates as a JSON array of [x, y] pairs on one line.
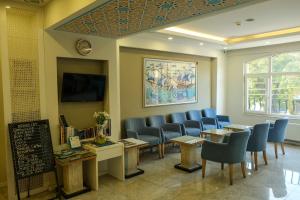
[[101, 118]]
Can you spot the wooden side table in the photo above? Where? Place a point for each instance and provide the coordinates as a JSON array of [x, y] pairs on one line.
[[216, 135], [132, 147], [189, 154], [73, 173], [237, 127]]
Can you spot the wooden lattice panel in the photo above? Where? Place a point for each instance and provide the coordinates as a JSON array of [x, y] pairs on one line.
[[24, 73]]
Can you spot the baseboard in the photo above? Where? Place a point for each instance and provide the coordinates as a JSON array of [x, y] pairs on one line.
[[292, 142]]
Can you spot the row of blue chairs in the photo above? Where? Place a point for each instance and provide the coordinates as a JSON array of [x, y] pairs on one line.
[[156, 131], [233, 149]]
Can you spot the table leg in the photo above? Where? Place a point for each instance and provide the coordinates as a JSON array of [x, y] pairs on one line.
[[189, 158], [92, 173], [131, 160]]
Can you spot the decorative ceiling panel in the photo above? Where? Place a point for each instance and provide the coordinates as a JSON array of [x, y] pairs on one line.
[[117, 18]]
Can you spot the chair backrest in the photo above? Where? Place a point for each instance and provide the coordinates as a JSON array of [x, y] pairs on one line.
[[156, 120], [209, 112], [280, 128], [259, 136], [179, 117], [237, 146], [194, 115], [135, 124]]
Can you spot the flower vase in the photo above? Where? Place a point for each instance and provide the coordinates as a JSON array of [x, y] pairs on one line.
[[100, 137]]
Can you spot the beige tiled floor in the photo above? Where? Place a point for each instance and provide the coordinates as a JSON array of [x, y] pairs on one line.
[[279, 180]]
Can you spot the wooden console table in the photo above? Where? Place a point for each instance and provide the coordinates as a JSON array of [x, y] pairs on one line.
[[73, 173], [114, 154]]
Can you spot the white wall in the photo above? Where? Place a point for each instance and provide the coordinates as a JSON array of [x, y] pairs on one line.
[[152, 41], [62, 44], [235, 85]]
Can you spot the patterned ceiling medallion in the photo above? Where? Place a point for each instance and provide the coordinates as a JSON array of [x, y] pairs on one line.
[[118, 18]]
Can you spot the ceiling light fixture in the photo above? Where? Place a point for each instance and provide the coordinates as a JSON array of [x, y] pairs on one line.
[[225, 48], [250, 20], [196, 34], [170, 38], [201, 43], [7, 7]]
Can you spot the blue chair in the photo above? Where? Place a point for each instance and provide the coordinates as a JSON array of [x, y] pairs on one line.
[[207, 123], [168, 130], [188, 127], [277, 134], [232, 152], [258, 141], [137, 128], [223, 120]]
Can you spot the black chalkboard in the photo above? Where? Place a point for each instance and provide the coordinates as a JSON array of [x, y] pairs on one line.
[[31, 147]]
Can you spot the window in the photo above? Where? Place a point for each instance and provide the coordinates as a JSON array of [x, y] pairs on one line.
[[273, 84]]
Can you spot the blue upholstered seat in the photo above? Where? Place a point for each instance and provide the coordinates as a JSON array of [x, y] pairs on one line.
[[258, 141], [188, 127], [277, 134], [207, 123], [137, 128], [232, 152], [222, 120], [169, 130]]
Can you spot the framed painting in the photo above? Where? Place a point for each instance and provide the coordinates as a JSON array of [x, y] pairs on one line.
[[169, 82]]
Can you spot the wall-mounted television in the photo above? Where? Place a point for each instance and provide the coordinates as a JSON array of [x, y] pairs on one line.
[[82, 87]]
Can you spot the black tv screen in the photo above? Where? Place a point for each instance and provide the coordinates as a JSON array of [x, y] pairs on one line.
[[82, 87]]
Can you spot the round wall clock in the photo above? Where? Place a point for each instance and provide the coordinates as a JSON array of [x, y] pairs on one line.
[[83, 47]]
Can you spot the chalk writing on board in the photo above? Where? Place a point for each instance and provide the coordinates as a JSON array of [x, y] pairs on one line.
[[31, 148]]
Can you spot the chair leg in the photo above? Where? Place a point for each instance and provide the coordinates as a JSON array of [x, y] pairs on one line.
[[222, 166], [276, 152], [203, 167], [231, 174], [282, 148], [265, 157], [255, 161], [138, 156], [160, 151], [243, 166], [163, 150]]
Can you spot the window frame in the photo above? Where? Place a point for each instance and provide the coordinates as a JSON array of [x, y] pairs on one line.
[[269, 78]]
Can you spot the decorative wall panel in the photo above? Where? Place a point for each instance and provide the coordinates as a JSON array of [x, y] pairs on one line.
[[118, 18], [24, 73]]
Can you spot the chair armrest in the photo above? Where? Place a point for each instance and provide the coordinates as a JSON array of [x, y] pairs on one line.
[[132, 134], [209, 120], [153, 131], [214, 151], [192, 124], [171, 127], [223, 118]]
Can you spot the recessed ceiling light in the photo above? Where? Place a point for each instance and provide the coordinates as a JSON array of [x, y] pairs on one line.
[[225, 48], [170, 38], [267, 42], [194, 33], [250, 20], [201, 43], [238, 23], [8, 7]]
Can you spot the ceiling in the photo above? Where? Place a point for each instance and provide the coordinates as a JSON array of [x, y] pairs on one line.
[[269, 17], [118, 18]]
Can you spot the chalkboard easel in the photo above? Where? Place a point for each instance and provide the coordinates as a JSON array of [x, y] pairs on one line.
[[32, 151]]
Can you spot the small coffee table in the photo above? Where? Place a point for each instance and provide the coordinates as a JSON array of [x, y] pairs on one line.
[[216, 134], [237, 127], [188, 147], [132, 147]]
